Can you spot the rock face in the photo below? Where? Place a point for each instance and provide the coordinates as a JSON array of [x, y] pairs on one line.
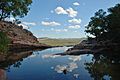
[[17, 34], [20, 38]]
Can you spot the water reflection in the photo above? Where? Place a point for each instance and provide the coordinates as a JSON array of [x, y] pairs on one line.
[[45, 65], [66, 68], [75, 58], [104, 67], [3, 75], [14, 59], [50, 56]]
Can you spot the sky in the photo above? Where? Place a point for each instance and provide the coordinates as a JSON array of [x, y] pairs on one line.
[[62, 18]]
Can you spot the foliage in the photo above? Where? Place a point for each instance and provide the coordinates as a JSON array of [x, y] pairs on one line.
[[4, 41], [105, 25], [15, 8]]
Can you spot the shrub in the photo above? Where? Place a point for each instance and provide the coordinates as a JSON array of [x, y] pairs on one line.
[[4, 41]]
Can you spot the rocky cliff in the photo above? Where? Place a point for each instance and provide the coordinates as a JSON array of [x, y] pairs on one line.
[[20, 38], [17, 34]]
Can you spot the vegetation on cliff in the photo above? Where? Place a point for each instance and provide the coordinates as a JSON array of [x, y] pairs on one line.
[[4, 41]]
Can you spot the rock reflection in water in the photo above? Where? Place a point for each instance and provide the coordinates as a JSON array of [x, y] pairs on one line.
[[14, 59], [2, 75]]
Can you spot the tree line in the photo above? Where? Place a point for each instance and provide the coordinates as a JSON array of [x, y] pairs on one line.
[[105, 26]]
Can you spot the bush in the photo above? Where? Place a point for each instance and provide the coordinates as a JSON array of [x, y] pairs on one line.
[[4, 41]]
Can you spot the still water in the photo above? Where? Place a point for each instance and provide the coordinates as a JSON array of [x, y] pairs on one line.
[[43, 65]]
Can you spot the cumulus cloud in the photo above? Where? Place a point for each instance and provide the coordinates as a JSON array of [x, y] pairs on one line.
[[53, 23], [24, 26], [60, 10], [74, 27], [29, 23], [75, 21], [70, 11], [76, 4]]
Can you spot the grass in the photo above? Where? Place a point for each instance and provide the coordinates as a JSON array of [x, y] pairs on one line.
[[4, 41], [60, 42]]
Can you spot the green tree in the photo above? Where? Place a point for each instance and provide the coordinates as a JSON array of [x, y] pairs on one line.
[[114, 23], [105, 26], [96, 26], [15, 8]]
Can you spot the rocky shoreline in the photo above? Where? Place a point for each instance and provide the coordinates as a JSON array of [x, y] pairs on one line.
[[88, 47], [26, 47]]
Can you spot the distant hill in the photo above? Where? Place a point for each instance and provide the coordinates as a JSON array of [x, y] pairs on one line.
[[60, 41]]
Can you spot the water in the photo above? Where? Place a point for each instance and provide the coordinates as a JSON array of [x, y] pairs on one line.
[[42, 65]]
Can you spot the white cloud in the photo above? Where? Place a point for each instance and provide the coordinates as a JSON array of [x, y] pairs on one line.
[[76, 4], [53, 23], [60, 30], [12, 19], [86, 25], [76, 31], [75, 21], [60, 10], [70, 11], [74, 27], [24, 26], [29, 23]]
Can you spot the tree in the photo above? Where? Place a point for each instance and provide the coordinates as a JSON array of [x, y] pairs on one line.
[[105, 26], [114, 23], [96, 26], [15, 8]]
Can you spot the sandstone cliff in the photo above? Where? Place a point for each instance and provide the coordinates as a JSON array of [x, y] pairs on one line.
[[20, 38]]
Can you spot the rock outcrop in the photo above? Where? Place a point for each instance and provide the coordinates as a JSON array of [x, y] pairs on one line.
[[20, 38], [17, 34], [93, 47]]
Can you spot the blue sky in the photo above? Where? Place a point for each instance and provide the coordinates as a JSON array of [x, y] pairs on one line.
[[62, 18]]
